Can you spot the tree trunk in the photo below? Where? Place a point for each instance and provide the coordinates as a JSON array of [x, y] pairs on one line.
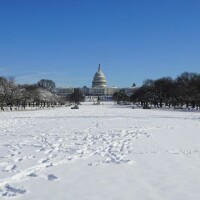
[[161, 103]]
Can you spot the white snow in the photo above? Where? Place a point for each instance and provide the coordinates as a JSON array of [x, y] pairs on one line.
[[100, 152]]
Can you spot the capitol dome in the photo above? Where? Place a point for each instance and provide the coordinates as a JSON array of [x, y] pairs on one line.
[[99, 80]]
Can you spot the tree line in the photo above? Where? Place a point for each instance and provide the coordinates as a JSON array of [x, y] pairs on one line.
[[13, 95], [181, 91], [42, 94]]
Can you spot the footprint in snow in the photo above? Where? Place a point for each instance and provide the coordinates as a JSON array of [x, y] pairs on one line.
[[44, 160], [10, 191], [18, 159], [49, 177], [10, 168], [52, 177], [32, 175]]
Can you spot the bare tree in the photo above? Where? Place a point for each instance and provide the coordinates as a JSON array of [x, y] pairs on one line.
[[3, 93], [77, 96], [47, 84], [13, 92], [121, 96], [9, 92]]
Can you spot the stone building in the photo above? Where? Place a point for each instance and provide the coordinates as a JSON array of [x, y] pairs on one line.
[[99, 89]]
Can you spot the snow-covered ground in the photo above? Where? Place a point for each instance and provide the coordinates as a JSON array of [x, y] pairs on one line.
[[101, 152]]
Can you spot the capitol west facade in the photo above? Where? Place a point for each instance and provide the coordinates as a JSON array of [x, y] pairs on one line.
[[99, 89]]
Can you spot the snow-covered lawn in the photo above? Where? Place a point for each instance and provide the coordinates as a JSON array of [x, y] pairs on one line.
[[101, 152]]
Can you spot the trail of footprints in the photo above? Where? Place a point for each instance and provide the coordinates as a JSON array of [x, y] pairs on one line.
[[47, 150], [56, 148]]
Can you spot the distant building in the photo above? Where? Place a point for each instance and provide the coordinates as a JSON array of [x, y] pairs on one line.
[[99, 89], [99, 80]]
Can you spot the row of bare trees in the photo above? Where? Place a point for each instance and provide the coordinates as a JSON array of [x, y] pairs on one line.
[[13, 95], [181, 91]]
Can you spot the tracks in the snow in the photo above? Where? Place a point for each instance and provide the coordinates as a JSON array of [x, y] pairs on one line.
[[28, 155]]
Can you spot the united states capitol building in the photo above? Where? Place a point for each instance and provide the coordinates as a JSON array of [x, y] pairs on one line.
[[99, 89]]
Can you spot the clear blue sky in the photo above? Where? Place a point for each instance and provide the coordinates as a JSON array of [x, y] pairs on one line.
[[65, 40]]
